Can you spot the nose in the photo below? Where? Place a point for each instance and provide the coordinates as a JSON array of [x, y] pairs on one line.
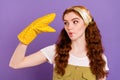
[[70, 26]]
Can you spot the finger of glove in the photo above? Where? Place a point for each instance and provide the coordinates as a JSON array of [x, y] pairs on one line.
[[45, 19], [44, 29]]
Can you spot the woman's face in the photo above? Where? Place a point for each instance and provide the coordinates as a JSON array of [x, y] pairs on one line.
[[74, 26]]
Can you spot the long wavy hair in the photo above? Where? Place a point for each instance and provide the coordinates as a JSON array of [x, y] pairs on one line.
[[94, 49]]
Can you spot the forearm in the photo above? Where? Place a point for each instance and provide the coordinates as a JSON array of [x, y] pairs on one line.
[[18, 55]]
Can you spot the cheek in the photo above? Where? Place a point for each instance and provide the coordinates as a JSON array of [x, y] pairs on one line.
[[81, 29], [66, 29]]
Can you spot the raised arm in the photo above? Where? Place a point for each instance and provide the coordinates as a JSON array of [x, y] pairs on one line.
[[19, 60]]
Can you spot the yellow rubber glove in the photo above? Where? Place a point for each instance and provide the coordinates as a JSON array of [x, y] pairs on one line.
[[36, 27]]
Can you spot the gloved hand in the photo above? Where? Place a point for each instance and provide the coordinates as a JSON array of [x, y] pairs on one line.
[[36, 27]]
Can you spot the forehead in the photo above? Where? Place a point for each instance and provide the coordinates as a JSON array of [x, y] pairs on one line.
[[71, 15]]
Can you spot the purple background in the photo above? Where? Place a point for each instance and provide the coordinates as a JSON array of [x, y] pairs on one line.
[[15, 15]]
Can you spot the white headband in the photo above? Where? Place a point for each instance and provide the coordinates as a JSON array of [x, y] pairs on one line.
[[84, 14]]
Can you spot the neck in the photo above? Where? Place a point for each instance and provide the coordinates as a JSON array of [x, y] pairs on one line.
[[79, 45]]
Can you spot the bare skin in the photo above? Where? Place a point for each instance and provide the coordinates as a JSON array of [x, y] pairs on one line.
[[19, 60], [75, 29]]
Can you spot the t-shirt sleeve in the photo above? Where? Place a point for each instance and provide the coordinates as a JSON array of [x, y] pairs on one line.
[[106, 65], [49, 53]]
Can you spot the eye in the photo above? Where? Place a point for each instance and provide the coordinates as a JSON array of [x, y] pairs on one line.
[[66, 23], [75, 21]]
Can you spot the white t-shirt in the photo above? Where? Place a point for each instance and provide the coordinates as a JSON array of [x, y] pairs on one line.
[[49, 53]]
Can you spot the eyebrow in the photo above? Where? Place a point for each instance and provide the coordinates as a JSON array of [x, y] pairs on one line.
[[73, 19]]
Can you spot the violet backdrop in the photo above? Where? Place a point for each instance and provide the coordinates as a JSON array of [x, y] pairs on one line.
[[15, 15]]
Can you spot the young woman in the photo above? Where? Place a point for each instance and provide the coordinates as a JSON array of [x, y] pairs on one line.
[[78, 53]]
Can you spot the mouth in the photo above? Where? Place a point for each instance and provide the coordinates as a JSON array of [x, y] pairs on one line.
[[70, 34]]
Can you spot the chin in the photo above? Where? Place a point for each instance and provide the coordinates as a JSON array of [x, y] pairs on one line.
[[72, 39]]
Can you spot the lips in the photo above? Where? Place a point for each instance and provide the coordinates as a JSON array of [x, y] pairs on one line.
[[70, 34]]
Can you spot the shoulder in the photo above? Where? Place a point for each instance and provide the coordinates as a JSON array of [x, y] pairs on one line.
[[106, 61], [50, 47], [104, 57], [49, 52]]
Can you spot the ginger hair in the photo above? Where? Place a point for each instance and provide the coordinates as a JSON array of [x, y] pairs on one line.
[[94, 48]]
